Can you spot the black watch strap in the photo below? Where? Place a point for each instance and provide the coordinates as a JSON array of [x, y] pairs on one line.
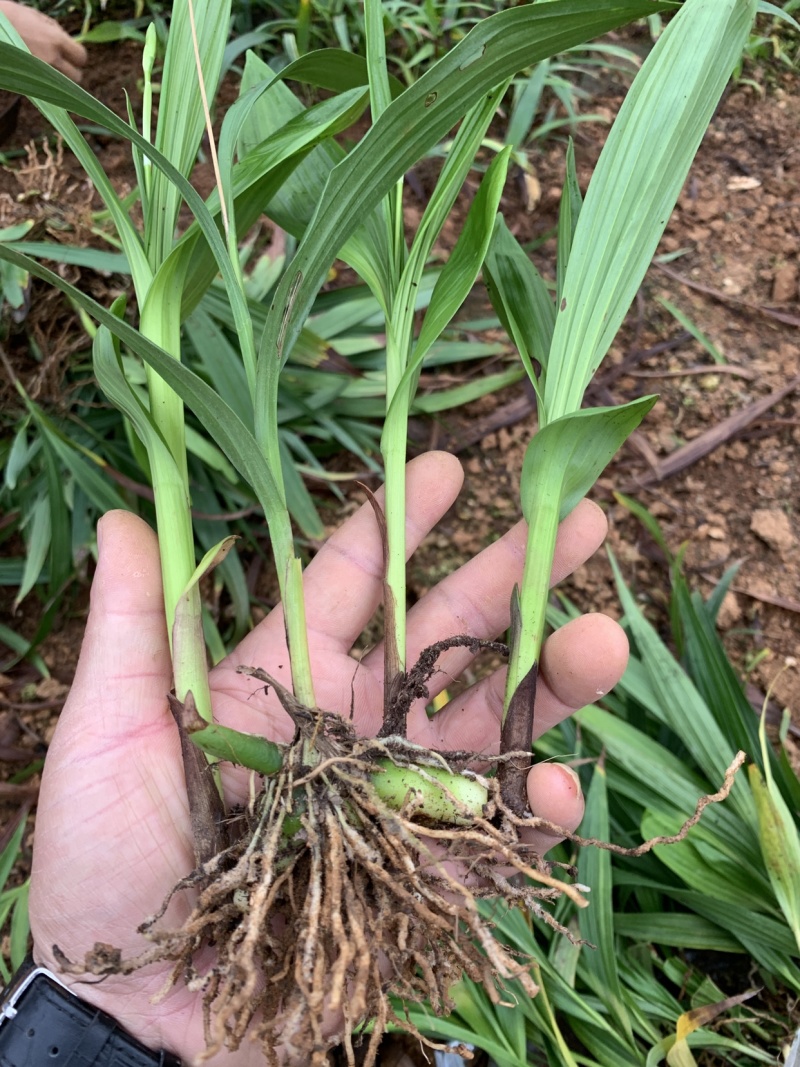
[[44, 1023]]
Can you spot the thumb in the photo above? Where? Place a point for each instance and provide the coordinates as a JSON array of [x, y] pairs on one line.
[[112, 806], [124, 670]]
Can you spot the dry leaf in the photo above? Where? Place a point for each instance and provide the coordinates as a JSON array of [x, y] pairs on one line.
[[51, 689], [533, 191], [742, 182]]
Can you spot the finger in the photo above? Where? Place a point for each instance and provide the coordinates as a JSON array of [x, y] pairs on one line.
[[67, 68], [124, 668], [475, 599], [73, 51], [554, 795], [115, 753], [344, 583], [581, 661]]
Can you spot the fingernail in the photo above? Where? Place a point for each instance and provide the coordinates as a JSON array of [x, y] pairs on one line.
[[572, 775]]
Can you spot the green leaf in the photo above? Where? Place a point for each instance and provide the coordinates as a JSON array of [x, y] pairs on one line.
[[111, 31], [23, 649], [706, 869], [19, 455], [714, 603], [19, 934], [464, 262], [336, 70], [181, 119], [17, 232], [527, 99], [298, 499], [637, 180], [492, 52], [597, 921], [208, 453], [46, 87], [37, 546], [452, 1028], [211, 559], [219, 362], [281, 148], [767, 940], [677, 929], [93, 258], [766, 8], [716, 680], [651, 775], [568, 214], [692, 328], [780, 845], [456, 279], [207, 532], [293, 204], [458, 395], [521, 299], [8, 857], [98, 489], [267, 169], [678, 703], [566, 457], [647, 520]]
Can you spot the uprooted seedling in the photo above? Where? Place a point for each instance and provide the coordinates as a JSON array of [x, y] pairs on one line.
[[333, 891], [330, 899]]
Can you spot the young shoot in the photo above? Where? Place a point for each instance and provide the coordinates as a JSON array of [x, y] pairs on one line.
[[605, 245]]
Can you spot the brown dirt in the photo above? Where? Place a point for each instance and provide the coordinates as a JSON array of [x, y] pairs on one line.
[[736, 227]]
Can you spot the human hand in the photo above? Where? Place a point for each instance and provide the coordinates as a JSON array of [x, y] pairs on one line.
[[46, 39], [113, 833]]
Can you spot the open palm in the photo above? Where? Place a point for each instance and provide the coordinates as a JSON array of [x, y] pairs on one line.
[[113, 832]]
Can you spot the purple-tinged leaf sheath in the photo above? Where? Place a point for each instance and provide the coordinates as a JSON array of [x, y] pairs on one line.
[[516, 736]]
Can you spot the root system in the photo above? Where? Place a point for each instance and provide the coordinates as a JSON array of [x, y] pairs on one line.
[[330, 908]]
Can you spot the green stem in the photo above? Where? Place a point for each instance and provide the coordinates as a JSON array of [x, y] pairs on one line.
[[160, 323], [292, 594], [279, 523], [529, 609], [533, 595], [393, 449], [460, 800], [444, 796], [398, 347]]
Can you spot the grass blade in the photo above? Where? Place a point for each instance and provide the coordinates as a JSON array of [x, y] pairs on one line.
[[780, 840], [569, 212], [566, 457], [597, 921], [181, 118], [637, 180], [678, 701], [521, 299], [19, 934]]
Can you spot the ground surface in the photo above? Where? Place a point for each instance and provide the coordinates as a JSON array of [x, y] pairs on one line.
[[715, 462]]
